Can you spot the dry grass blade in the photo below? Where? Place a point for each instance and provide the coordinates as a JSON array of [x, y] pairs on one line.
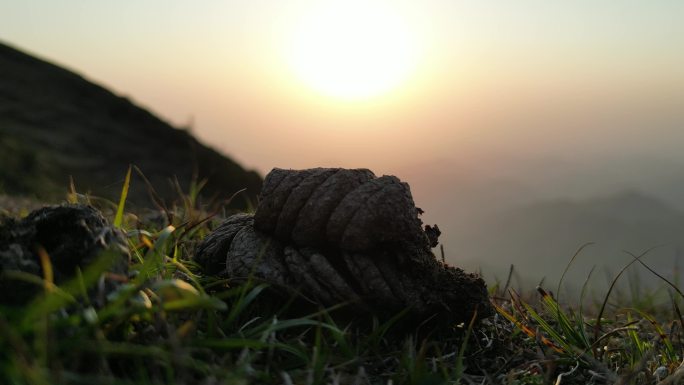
[[522, 325], [46, 264], [156, 199], [508, 279], [672, 285], [567, 267], [597, 326], [568, 373], [118, 218]]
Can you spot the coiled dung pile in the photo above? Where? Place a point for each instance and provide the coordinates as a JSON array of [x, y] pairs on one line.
[[339, 235]]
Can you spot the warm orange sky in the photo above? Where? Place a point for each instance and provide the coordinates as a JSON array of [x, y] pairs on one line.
[[486, 76]]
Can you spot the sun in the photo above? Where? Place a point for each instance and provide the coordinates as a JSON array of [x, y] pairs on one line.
[[352, 50]]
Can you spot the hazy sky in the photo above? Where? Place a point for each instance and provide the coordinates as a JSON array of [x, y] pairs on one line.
[[523, 79]]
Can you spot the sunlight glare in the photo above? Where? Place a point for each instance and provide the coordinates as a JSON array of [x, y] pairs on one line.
[[353, 50]]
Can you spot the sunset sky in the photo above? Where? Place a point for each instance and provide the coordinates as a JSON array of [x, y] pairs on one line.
[[376, 84]]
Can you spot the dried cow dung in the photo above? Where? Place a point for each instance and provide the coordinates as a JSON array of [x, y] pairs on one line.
[[338, 235], [71, 235]]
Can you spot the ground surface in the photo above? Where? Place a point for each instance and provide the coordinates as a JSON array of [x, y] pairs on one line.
[[167, 323]]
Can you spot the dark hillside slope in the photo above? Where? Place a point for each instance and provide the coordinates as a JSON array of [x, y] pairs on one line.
[[54, 123]]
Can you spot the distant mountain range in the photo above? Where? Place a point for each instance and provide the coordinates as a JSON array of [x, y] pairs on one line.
[[540, 238], [534, 214], [55, 124]]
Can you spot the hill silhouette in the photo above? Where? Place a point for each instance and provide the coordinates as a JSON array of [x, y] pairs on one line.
[[55, 124]]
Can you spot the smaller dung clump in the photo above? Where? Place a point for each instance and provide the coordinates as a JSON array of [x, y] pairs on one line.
[[70, 236]]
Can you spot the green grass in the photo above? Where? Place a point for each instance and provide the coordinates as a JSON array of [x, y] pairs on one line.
[[170, 324]]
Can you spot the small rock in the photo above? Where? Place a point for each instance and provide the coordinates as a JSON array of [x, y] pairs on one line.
[[660, 373]]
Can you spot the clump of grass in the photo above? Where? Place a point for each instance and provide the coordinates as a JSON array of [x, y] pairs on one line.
[[623, 345], [168, 323]]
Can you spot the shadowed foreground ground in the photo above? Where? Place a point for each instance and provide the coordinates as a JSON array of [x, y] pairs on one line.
[[166, 322]]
